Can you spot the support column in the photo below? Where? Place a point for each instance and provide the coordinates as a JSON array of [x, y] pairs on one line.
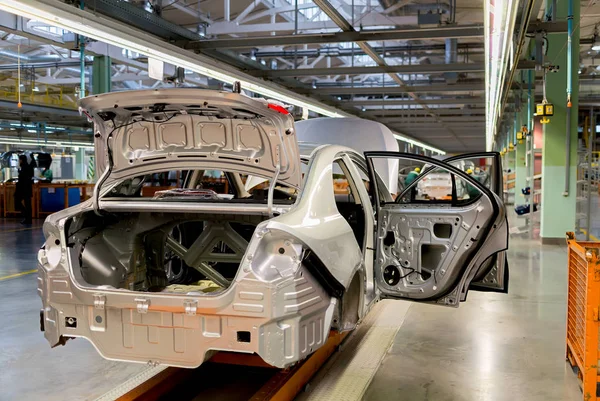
[[80, 164], [558, 204], [101, 75]]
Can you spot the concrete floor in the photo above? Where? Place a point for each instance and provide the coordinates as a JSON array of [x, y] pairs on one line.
[[29, 368], [494, 347]]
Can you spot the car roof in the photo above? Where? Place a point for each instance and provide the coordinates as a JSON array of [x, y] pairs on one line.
[[308, 149]]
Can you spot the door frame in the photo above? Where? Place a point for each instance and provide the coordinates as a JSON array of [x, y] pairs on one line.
[[369, 155]]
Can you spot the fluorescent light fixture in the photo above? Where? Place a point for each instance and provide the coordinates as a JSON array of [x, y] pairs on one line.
[[596, 48], [419, 144], [41, 143], [61, 15], [499, 23]]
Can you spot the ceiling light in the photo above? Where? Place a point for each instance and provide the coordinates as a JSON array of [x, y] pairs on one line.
[[595, 48]]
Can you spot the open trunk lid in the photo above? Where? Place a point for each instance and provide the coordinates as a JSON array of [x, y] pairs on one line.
[[140, 132]]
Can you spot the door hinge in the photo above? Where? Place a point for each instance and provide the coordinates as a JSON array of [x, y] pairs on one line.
[[99, 301], [142, 305], [191, 306]]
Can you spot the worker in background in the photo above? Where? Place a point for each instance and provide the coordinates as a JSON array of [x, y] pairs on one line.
[[33, 163], [471, 190], [482, 176], [47, 175], [24, 189], [410, 177]]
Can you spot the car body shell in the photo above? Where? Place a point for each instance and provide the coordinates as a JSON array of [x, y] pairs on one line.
[[303, 273]]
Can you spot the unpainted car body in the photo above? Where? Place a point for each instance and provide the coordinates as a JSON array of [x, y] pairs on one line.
[[304, 259]]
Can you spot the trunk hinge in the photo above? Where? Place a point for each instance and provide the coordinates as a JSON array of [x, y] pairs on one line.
[[103, 177], [273, 182], [191, 306], [142, 305]]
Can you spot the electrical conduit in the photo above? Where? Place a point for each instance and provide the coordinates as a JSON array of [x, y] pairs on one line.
[[569, 84]]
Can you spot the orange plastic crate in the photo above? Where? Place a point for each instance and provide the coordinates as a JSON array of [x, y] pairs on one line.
[[583, 305]]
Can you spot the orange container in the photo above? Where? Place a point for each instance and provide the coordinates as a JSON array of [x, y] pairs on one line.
[[583, 306]]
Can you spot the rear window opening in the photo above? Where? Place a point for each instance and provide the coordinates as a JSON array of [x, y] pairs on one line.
[[179, 253], [200, 186]]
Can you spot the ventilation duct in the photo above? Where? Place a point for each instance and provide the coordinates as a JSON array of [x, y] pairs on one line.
[[435, 8], [451, 58]]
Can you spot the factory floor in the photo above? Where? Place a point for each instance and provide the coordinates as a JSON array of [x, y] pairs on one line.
[[494, 347]]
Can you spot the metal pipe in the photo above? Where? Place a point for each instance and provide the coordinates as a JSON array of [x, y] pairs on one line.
[[529, 100], [82, 59], [227, 10], [569, 88], [451, 51], [49, 64], [516, 127], [589, 174]]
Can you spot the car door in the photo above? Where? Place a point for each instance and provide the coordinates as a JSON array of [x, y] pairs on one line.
[[493, 274], [436, 237]]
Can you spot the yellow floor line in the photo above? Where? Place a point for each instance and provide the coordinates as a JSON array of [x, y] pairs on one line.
[[20, 229], [18, 274], [592, 237]]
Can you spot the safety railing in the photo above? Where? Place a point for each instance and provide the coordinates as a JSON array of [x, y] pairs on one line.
[[51, 96], [46, 198]]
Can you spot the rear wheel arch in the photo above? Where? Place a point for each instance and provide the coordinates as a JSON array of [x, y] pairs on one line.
[[352, 303]]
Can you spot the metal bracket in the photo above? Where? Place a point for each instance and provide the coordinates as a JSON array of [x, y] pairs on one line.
[[142, 305], [99, 301], [191, 305], [98, 320]]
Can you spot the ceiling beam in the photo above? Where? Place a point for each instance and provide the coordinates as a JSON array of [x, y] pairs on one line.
[[548, 27], [401, 102], [414, 50], [232, 27], [398, 69], [420, 112], [426, 121], [460, 32], [414, 126], [399, 90]]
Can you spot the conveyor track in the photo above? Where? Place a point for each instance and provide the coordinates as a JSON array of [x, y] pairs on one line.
[[236, 377]]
